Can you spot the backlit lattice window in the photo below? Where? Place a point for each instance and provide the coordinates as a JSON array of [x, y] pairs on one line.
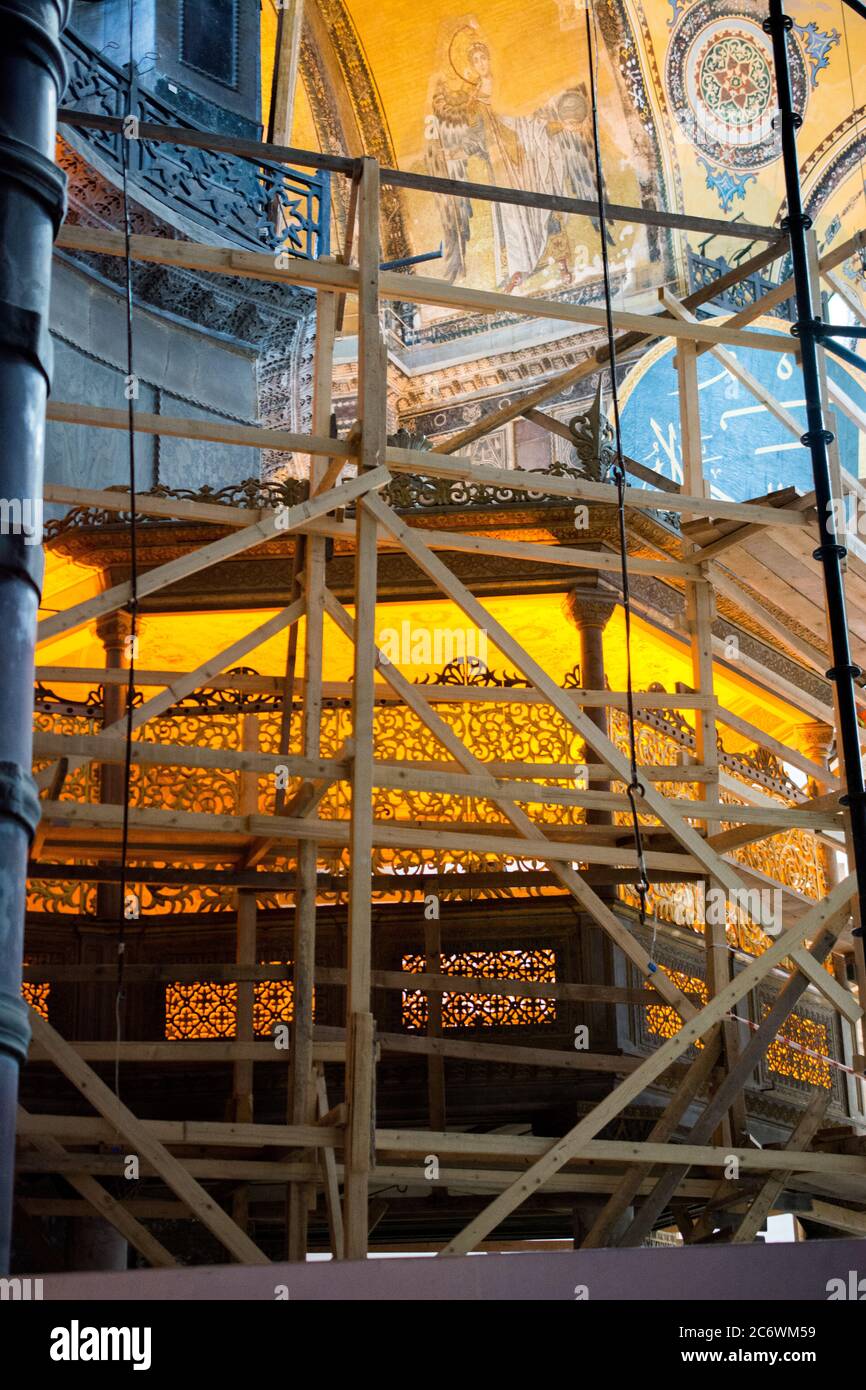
[[663, 1021], [36, 995], [485, 1010], [206, 1009], [787, 1055]]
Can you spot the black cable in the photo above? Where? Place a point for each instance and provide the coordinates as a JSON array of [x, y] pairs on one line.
[[132, 606], [635, 787]]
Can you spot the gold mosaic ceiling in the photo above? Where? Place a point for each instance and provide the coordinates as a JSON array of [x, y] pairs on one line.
[[498, 93]]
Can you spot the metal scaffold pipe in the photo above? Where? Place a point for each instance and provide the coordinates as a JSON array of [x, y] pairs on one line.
[[32, 203], [831, 551]]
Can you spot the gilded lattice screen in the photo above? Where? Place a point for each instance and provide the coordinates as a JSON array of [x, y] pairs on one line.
[[485, 1010]]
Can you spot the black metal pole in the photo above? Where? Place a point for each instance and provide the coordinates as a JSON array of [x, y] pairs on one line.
[[817, 437], [32, 201]]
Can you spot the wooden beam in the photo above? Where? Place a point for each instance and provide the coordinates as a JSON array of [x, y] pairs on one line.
[[801, 1136], [211, 1050], [736, 1078], [563, 381], [185, 685], [372, 392], [403, 178], [571, 880], [302, 1079], [328, 1162], [275, 524], [695, 1080], [697, 1027], [688, 838], [173, 1174], [216, 431], [100, 1200], [290, 22], [414, 289]]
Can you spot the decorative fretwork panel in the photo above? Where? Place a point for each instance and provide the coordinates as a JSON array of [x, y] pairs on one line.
[[792, 1053], [495, 732], [206, 1009], [485, 1010], [792, 858], [37, 995], [663, 1021]]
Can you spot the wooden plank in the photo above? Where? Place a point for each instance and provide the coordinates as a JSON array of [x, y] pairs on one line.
[[564, 380], [158, 704], [342, 690], [413, 289], [408, 1044], [700, 613], [429, 463], [418, 289], [319, 445], [185, 1052], [688, 838], [172, 508], [173, 1174], [571, 880], [431, 983], [372, 392], [275, 524], [290, 23], [735, 368], [800, 1138], [302, 1081], [284, 830], [410, 776], [101, 1202], [737, 1077], [580, 489], [782, 750], [853, 1223], [785, 290], [556, 554], [524, 1150], [246, 954], [328, 1162], [695, 1080], [402, 178], [631, 1087]]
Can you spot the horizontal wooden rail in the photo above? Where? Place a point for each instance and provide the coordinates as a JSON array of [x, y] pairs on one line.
[[401, 178], [413, 289]]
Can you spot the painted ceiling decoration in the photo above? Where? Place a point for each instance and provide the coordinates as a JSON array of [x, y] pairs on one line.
[[498, 93]]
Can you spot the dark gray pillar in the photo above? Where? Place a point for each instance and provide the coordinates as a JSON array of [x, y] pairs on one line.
[[32, 196]]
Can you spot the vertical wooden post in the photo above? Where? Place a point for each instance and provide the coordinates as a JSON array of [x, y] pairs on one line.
[[286, 54], [242, 1088], [302, 1095], [245, 954], [700, 613], [359, 1019], [435, 1065]]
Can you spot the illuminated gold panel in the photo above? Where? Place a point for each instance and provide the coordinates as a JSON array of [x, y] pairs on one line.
[[206, 1009], [663, 1021], [789, 1061], [485, 1010], [36, 995]]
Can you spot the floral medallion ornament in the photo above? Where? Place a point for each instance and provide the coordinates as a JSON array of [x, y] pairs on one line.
[[722, 91]]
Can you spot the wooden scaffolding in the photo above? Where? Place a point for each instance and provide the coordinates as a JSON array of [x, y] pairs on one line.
[[331, 1145]]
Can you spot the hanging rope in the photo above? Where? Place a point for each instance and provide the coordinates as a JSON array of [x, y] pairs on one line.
[[132, 606], [635, 788]]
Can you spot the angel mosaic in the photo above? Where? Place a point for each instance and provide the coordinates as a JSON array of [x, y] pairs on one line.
[[549, 151]]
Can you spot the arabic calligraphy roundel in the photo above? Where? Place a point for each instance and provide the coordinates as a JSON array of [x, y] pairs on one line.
[[720, 82]]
